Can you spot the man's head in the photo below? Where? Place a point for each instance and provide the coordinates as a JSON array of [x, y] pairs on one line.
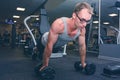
[[82, 14], [83, 5]]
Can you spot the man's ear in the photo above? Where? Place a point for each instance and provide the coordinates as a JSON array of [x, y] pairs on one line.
[[73, 15]]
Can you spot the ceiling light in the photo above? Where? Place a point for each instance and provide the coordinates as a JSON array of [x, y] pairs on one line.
[[95, 22], [16, 16], [37, 18], [106, 23], [96, 27], [113, 14], [20, 9], [15, 21]]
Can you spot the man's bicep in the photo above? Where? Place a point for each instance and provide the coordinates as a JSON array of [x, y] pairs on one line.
[[55, 30], [52, 37]]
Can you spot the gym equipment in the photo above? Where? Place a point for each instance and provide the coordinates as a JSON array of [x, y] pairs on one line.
[[28, 46], [106, 50], [46, 74], [32, 36], [13, 41], [117, 4], [89, 69], [35, 54], [111, 70]]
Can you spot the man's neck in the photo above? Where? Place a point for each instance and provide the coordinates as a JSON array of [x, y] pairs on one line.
[[72, 25], [72, 29]]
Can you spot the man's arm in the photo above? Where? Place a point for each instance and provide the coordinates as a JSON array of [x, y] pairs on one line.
[[82, 47], [55, 30], [52, 38]]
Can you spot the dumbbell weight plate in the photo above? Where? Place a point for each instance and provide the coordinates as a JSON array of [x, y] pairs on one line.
[[77, 66], [47, 73], [90, 69], [36, 69]]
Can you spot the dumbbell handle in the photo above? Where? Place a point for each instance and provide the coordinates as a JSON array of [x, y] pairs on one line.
[[83, 66]]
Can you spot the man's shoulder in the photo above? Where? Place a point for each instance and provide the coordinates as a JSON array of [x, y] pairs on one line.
[[61, 20], [58, 21], [58, 25]]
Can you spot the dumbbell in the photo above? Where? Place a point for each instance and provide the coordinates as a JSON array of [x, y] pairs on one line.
[[89, 69], [47, 73]]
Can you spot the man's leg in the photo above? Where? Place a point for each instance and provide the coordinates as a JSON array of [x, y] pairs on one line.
[[41, 44], [40, 48]]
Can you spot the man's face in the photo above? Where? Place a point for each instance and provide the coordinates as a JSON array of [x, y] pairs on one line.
[[83, 18]]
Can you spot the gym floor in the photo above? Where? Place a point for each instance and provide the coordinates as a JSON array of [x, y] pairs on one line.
[[14, 65]]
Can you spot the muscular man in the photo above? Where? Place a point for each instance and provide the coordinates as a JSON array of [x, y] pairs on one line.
[[66, 29]]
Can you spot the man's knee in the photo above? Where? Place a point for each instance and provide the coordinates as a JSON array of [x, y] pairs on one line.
[[44, 38]]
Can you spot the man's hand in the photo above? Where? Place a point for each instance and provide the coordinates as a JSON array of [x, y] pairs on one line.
[[88, 69], [43, 66], [46, 73], [83, 65]]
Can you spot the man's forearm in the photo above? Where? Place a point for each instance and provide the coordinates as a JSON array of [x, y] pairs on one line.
[[82, 51], [46, 56]]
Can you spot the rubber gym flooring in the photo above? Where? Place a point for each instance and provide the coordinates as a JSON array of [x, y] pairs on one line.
[[14, 65]]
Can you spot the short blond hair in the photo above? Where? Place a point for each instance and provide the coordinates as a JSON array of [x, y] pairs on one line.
[[83, 5]]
